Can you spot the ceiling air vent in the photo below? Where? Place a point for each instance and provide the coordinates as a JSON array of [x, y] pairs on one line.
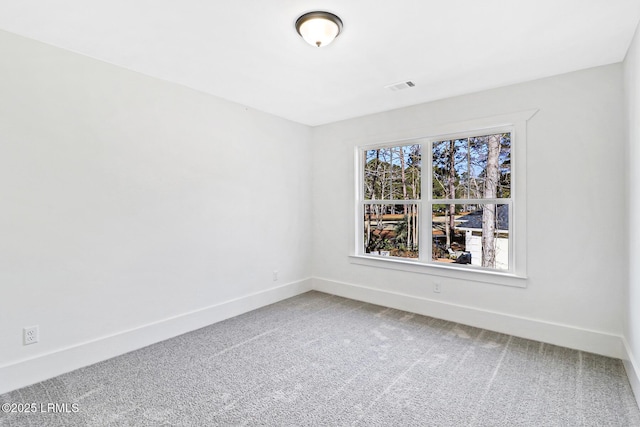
[[401, 85]]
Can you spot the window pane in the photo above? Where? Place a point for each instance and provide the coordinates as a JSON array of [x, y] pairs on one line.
[[504, 183], [471, 234], [449, 166], [393, 173], [391, 230], [478, 167]]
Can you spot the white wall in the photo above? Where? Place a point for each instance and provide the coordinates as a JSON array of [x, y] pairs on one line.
[[128, 203], [632, 300], [576, 228]]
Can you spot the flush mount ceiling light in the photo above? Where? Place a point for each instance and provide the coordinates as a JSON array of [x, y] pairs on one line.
[[319, 28]]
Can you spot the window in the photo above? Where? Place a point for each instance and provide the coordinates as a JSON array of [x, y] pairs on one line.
[[392, 182], [448, 202], [471, 199]]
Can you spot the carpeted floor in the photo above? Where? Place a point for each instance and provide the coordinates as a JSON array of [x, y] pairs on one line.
[[322, 360]]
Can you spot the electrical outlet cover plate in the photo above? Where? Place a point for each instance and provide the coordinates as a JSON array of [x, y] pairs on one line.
[[30, 335]]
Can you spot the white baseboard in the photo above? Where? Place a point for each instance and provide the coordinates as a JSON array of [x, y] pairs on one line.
[[30, 371], [633, 372], [538, 330]]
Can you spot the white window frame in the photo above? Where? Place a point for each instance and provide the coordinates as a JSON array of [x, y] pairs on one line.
[[516, 125]]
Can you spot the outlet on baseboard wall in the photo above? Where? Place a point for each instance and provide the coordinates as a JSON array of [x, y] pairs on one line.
[[30, 334]]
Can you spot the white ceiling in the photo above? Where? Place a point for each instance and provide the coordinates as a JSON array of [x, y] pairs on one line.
[[248, 51]]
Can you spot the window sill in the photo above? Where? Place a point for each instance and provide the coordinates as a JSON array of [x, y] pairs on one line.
[[455, 272]]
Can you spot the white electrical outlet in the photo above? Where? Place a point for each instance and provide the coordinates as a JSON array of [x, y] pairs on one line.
[[436, 288], [275, 275], [31, 335]]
